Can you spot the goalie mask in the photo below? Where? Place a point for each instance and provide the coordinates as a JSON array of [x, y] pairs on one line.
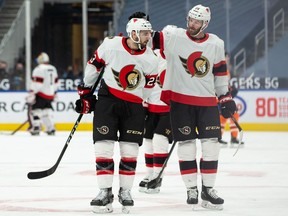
[[202, 13], [137, 25]]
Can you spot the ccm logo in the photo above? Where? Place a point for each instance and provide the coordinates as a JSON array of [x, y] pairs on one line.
[[134, 132]]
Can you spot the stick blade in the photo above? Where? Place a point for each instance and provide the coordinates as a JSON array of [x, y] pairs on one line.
[[40, 174], [240, 141]]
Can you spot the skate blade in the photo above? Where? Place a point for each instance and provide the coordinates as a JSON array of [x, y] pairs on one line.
[[126, 209], [235, 145], [102, 209], [193, 206], [153, 191], [142, 189], [209, 205]]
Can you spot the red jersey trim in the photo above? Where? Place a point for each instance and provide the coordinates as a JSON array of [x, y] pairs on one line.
[[220, 69], [38, 79], [48, 97], [221, 74], [125, 96], [161, 42], [219, 64], [198, 40], [130, 51], [168, 95]]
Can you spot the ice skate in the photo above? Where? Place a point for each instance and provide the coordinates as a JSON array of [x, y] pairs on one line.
[[143, 185], [222, 142], [103, 202], [153, 186], [35, 131], [192, 196], [210, 199], [51, 133], [235, 141], [125, 199]]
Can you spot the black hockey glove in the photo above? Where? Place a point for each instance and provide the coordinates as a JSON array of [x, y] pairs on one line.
[[87, 101], [227, 105]]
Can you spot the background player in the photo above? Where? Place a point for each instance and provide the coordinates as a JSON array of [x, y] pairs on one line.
[[42, 92], [158, 133]]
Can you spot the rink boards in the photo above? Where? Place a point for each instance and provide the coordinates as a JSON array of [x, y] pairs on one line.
[[260, 110]]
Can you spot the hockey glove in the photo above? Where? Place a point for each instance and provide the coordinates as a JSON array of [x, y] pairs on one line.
[[87, 101], [227, 105], [31, 98]]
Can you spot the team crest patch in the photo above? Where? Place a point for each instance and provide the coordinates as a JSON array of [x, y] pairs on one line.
[[196, 64], [128, 78], [160, 78], [186, 130], [103, 130]]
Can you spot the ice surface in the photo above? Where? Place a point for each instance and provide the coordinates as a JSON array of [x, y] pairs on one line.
[[253, 183]]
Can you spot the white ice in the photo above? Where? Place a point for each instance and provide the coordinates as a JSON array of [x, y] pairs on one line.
[[253, 183]]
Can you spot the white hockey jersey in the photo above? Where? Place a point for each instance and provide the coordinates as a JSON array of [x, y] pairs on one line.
[[194, 74], [44, 81], [129, 74], [154, 103]]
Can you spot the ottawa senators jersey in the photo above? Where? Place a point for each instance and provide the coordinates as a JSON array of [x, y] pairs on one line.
[[154, 103], [194, 74], [44, 81], [129, 74]]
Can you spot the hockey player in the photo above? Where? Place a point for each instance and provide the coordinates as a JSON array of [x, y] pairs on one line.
[[130, 71], [196, 72], [42, 92], [158, 133]]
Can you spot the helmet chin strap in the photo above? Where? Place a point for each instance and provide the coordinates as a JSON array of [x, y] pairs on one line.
[[195, 35], [204, 25], [137, 42]]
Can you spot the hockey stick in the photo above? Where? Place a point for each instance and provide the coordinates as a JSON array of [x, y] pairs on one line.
[[240, 132], [50, 171], [20, 126], [156, 181], [17, 129]]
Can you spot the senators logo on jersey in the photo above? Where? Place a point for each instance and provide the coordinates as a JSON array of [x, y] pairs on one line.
[[196, 64], [128, 78], [160, 78], [186, 130]]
